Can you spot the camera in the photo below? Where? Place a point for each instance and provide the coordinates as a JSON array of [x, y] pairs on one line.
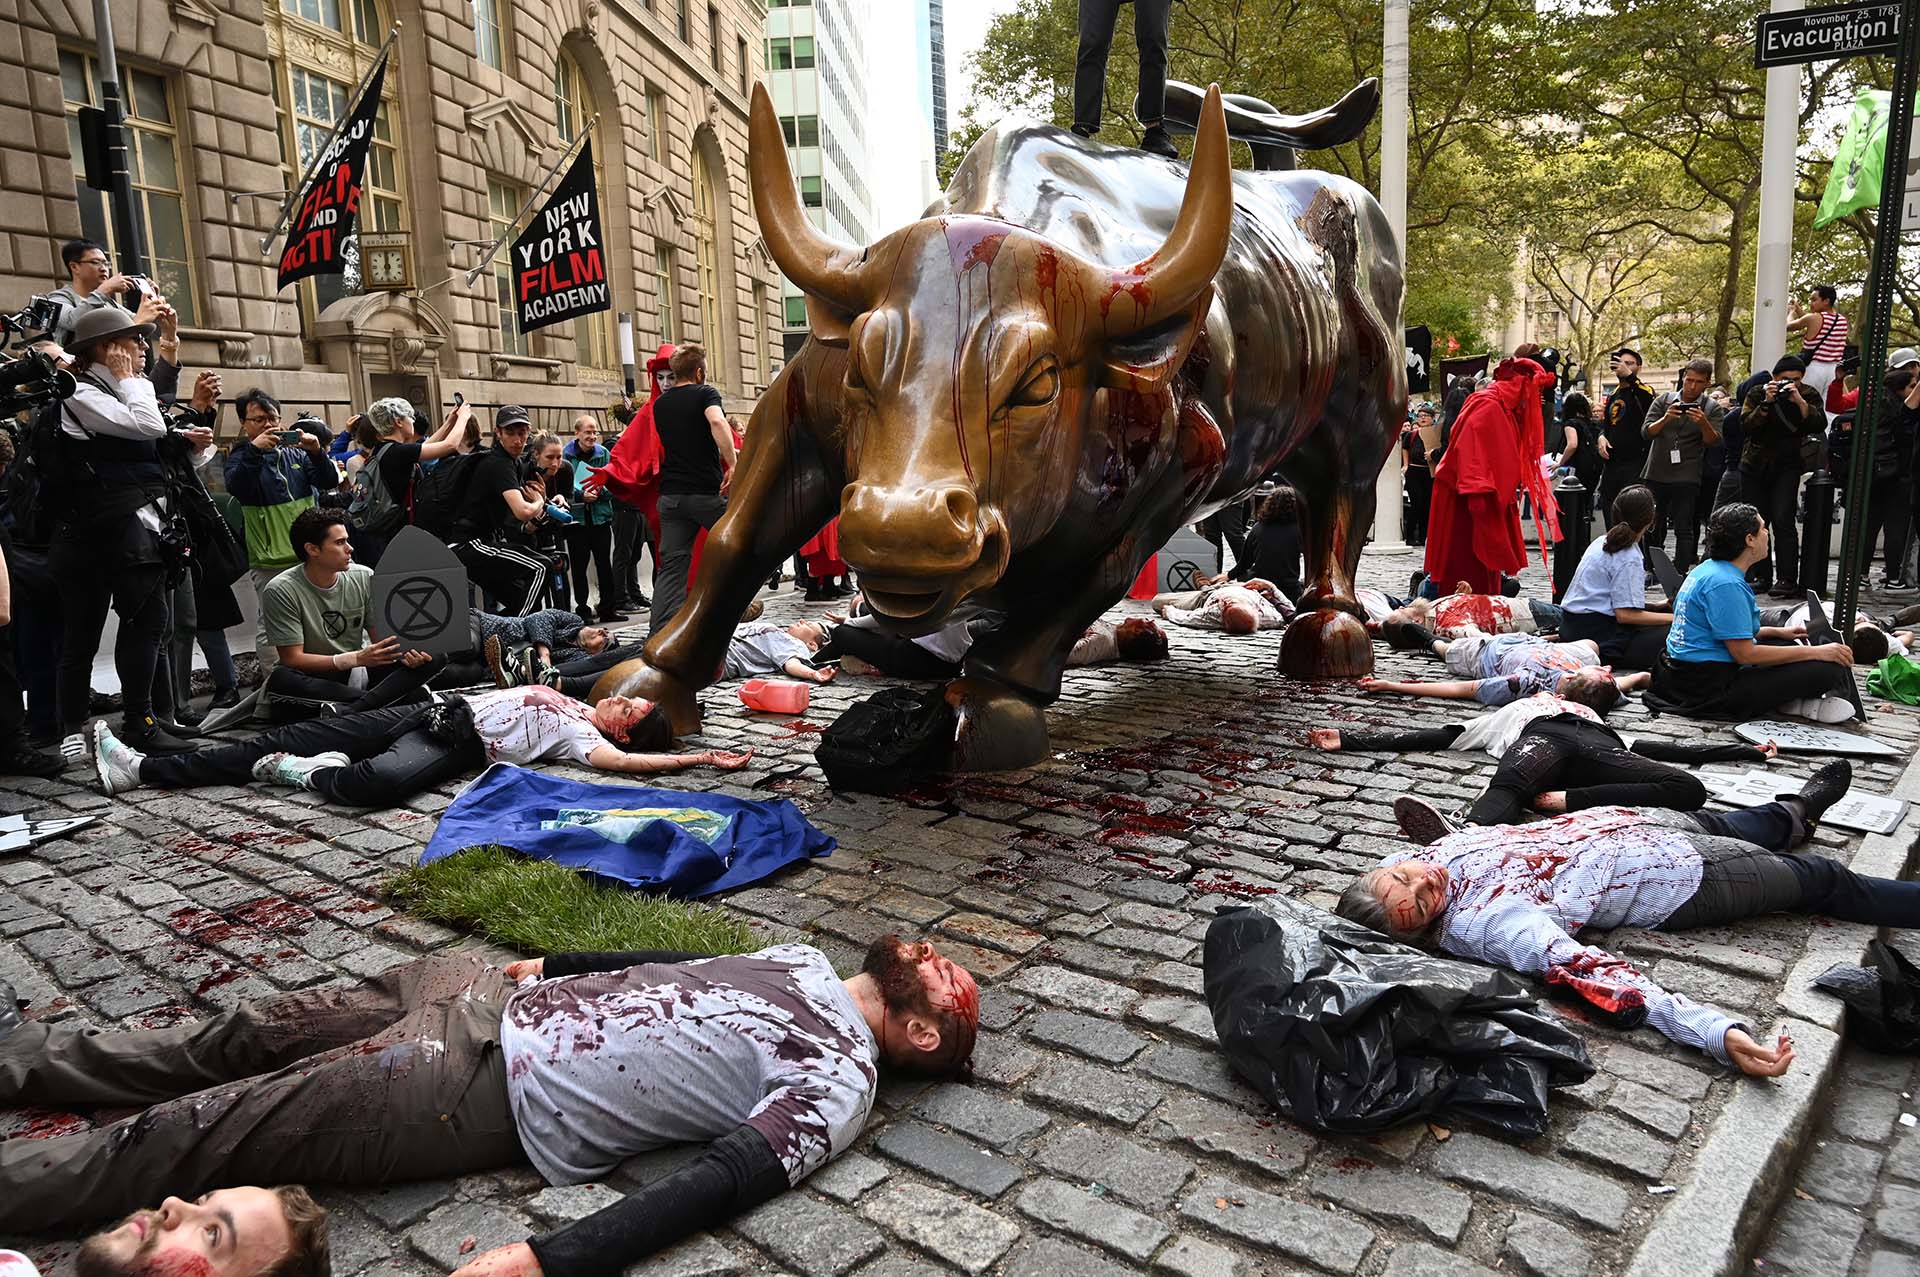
[[31, 322], [31, 379]]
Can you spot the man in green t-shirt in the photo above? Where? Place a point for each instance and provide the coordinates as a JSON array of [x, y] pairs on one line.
[[314, 615]]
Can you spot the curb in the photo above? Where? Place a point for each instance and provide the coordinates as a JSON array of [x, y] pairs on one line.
[[1708, 1228]]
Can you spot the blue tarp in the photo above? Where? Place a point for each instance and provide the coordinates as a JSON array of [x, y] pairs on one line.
[[666, 840]]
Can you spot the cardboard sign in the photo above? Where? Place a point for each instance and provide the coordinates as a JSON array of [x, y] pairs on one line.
[[1186, 557], [17, 833], [1663, 570], [1810, 738], [330, 201], [420, 595], [559, 263], [1868, 813]]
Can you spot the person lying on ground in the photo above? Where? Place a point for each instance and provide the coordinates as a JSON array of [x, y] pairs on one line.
[[1556, 755], [1717, 663], [1606, 600], [1502, 668], [315, 616], [448, 1066], [1871, 641], [1453, 616], [1517, 895], [760, 648], [550, 637], [231, 1232], [862, 646], [1236, 609], [382, 757]]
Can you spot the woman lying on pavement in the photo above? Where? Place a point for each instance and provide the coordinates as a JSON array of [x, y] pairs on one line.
[[383, 757], [1502, 668], [1516, 895], [1556, 755]]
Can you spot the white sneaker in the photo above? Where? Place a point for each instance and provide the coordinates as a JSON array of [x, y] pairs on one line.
[[293, 770], [115, 762], [74, 748], [1830, 709]]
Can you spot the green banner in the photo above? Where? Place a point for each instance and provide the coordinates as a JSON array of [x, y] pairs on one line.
[[1860, 162]]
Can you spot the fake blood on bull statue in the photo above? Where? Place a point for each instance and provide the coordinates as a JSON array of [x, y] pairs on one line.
[[1015, 400]]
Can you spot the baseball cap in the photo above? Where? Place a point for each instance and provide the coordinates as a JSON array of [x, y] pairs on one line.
[[509, 414], [1903, 356]]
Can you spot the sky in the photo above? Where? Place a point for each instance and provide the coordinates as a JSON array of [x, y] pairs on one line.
[[966, 28]]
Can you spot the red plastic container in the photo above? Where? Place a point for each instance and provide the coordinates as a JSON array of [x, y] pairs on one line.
[[776, 695]]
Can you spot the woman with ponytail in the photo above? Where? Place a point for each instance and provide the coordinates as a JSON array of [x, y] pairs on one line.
[[1607, 599]]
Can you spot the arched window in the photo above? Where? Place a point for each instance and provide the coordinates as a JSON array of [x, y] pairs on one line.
[[573, 106], [321, 50], [706, 240]]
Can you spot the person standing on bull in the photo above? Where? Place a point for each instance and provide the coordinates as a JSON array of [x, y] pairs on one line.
[[1097, 19], [1473, 530]]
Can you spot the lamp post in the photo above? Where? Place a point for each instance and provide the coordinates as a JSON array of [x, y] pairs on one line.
[[1393, 199], [1773, 250], [130, 246]]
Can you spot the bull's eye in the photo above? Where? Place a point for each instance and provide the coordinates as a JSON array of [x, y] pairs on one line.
[[1039, 388]]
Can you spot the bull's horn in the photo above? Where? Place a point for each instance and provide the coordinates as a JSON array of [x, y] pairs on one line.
[[816, 263], [1167, 283]]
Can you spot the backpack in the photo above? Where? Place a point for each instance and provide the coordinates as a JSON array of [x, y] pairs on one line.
[[892, 740], [38, 478], [440, 492], [372, 508]]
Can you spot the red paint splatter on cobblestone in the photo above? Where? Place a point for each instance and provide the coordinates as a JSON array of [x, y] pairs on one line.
[[801, 727], [46, 1124], [274, 913], [1233, 887], [218, 978]]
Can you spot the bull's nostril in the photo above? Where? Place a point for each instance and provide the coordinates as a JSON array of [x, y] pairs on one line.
[[961, 508]]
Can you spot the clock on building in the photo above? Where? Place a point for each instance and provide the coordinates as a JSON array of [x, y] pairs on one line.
[[386, 261]]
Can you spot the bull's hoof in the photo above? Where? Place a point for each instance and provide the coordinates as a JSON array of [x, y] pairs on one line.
[[637, 678], [1326, 644], [998, 730]]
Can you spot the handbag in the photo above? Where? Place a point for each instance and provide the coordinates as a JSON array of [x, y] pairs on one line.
[[1807, 352]]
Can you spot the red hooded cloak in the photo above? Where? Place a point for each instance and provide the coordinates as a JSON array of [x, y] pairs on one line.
[[1474, 532]]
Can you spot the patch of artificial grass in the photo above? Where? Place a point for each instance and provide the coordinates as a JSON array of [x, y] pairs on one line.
[[539, 907]]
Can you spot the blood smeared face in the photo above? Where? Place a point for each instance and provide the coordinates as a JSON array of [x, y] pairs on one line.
[[915, 981], [234, 1232], [1413, 892]]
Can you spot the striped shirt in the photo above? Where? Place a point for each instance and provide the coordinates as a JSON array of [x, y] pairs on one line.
[[1830, 338], [1518, 894]]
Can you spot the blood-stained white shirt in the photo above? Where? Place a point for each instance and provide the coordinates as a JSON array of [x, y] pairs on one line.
[[524, 725], [605, 1065]]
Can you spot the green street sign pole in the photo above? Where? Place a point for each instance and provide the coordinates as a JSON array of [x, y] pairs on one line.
[[1854, 553]]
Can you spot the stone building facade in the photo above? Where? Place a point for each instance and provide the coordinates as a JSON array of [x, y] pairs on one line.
[[228, 97]]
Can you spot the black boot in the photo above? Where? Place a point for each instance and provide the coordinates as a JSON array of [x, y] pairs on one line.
[[22, 761], [1406, 636], [1827, 787], [1156, 141], [148, 737]]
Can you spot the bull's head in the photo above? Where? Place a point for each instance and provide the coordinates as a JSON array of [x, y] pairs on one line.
[[976, 354]]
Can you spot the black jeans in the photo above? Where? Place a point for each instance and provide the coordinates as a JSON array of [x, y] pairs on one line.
[[1419, 481], [1737, 883], [1097, 19], [629, 539], [1636, 647], [398, 1079], [392, 757], [594, 542], [888, 653], [35, 636], [681, 518], [1889, 506], [1776, 494], [296, 695], [1721, 689], [1587, 762], [102, 566], [1675, 505]]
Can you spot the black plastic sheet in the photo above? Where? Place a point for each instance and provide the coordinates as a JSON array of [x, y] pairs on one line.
[[894, 739], [1347, 1031], [1883, 999]]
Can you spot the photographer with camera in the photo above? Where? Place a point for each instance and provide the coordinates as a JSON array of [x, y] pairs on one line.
[[1890, 490], [92, 283], [1622, 447], [117, 539], [1680, 426], [278, 472], [1783, 424]]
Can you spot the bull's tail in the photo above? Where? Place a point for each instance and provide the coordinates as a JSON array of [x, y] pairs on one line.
[[1275, 137]]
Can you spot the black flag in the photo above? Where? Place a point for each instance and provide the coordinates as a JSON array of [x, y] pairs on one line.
[[559, 265], [1419, 360], [316, 242]]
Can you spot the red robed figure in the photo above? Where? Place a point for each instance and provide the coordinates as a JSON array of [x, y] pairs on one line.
[[1474, 532], [632, 472]]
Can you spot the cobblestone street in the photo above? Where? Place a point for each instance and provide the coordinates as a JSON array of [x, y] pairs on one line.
[[1102, 1132]]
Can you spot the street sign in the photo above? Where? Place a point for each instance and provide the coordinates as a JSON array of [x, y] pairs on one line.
[[1818, 35]]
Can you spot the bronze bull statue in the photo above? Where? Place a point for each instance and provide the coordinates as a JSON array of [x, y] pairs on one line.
[[1018, 398]]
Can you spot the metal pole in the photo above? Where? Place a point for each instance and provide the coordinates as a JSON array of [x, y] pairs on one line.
[[1393, 199], [1854, 551], [1773, 250], [129, 232]]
